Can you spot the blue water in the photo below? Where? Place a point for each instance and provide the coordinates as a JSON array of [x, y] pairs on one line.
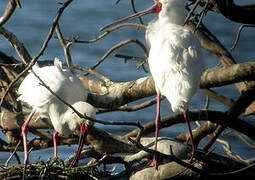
[[31, 25]]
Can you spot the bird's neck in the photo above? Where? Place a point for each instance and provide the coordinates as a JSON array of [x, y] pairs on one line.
[[172, 19], [57, 111]]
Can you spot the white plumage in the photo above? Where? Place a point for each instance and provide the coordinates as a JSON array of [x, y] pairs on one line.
[[175, 58], [46, 105]]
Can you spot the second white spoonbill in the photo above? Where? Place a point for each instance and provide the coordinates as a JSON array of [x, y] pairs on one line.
[[46, 105]]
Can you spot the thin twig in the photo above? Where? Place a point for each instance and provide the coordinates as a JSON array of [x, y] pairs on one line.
[[191, 11], [207, 102], [204, 10], [238, 35], [12, 65], [244, 140], [18, 3], [17, 45], [11, 6], [142, 60], [14, 153], [126, 57], [134, 10], [123, 43], [227, 149], [75, 39], [66, 48], [218, 97], [234, 111], [132, 108]]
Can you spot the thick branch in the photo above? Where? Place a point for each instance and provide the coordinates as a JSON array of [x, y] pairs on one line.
[[16, 44], [116, 94], [213, 116], [219, 76], [237, 13]]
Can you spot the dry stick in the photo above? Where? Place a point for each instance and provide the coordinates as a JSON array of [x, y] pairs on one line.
[[226, 146], [90, 71], [11, 6], [220, 98], [18, 3], [17, 45], [134, 10], [230, 60], [202, 15], [118, 46], [238, 107], [191, 11], [33, 61], [75, 39], [134, 58], [142, 60], [238, 35], [11, 65], [132, 108], [14, 153], [66, 48], [244, 140]]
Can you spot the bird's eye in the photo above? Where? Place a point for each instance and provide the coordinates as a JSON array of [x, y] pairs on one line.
[[158, 8]]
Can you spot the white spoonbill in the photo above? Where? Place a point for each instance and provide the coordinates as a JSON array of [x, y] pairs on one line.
[[175, 58], [67, 86]]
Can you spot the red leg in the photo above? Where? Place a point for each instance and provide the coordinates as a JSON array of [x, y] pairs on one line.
[[185, 114], [83, 132], [24, 134], [157, 122], [55, 138]]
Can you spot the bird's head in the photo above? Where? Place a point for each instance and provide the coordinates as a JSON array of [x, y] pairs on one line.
[[156, 8], [173, 11], [73, 120]]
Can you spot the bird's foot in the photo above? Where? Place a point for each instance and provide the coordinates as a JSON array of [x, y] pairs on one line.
[[154, 162], [83, 132], [192, 158]]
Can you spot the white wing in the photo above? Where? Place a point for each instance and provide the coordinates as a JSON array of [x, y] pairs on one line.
[[62, 82]]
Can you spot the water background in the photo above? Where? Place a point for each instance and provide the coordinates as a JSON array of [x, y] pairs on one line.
[[31, 25]]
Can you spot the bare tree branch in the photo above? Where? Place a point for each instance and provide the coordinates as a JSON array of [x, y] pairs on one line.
[[11, 6], [237, 13], [66, 47]]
